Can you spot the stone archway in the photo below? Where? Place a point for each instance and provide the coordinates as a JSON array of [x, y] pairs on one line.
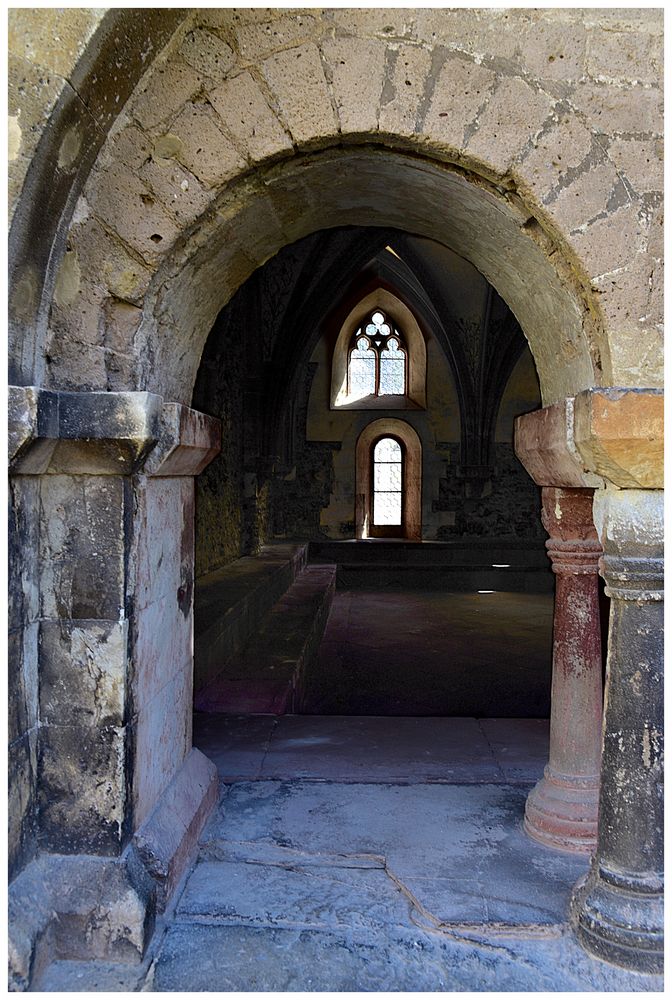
[[206, 172], [412, 480]]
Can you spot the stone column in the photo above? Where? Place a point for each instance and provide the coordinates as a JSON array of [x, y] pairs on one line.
[[108, 786], [561, 810], [618, 912]]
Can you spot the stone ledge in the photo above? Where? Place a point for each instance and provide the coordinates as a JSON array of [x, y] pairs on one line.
[[167, 842], [619, 434]]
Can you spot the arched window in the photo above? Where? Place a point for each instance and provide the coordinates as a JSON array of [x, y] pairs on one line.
[[377, 360], [388, 478], [380, 357]]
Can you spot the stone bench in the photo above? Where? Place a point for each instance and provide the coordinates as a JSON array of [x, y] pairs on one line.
[[265, 677], [229, 603]]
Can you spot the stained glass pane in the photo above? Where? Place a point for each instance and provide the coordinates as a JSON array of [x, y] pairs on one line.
[[387, 450], [387, 476], [362, 370], [378, 318], [387, 508]]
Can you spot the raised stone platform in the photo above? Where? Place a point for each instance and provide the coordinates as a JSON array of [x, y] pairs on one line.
[[462, 565]]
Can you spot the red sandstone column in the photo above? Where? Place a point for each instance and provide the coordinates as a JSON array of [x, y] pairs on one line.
[[561, 810]]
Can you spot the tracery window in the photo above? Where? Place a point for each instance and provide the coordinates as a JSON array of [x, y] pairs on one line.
[[377, 362]]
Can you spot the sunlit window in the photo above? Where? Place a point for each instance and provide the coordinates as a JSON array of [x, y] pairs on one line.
[[387, 482], [377, 360]]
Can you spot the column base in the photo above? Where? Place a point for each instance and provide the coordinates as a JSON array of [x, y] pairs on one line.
[[620, 923], [561, 812]]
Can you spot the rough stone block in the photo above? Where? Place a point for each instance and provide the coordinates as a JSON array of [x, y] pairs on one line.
[[176, 188], [480, 33], [356, 67], [513, 116], [613, 110], [554, 51], [82, 789], [641, 160], [257, 40], [544, 443], [168, 840], [246, 115], [404, 89], [611, 242], [561, 148], [462, 88], [100, 255], [166, 90], [619, 434], [586, 197], [76, 908], [82, 546], [119, 198], [626, 56], [83, 673], [205, 150], [297, 79], [129, 145], [207, 53]]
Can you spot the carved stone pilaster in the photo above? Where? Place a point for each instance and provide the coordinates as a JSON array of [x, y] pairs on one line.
[[618, 911], [561, 810]]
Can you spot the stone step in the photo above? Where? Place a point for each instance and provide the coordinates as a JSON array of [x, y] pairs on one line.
[[265, 678], [229, 603]]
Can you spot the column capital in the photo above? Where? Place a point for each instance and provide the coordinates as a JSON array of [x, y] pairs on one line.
[[600, 436], [567, 516], [106, 433]]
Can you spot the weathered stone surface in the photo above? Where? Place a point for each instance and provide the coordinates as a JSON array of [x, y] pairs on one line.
[[514, 114], [297, 80], [618, 911], [82, 789], [120, 199], [246, 115], [82, 546], [205, 150], [356, 69], [544, 443], [100, 433], [22, 807], [22, 680], [404, 88], [256, 40], [619, 434], [207, 53], [83, 673], [616, 110], [81, 907], [554, 51], [165, 91], [552, 154], [462, 88], [167, 842], [587, 197]]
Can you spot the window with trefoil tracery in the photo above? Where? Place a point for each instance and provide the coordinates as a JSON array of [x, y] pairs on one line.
[[377, 363]]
